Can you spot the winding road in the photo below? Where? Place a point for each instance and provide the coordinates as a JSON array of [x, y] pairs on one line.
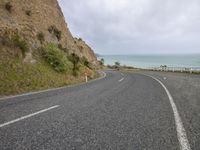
[[120, 111]]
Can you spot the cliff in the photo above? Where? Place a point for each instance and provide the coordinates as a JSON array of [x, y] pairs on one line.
[[39, 22], [37, 50]]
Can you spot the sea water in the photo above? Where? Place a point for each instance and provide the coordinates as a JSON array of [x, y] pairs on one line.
[[148, 61]]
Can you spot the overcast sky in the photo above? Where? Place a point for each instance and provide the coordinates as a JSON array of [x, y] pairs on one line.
[[135, 26]]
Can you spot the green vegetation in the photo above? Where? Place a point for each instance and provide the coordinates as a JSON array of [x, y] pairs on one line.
[[51, 29], [20, 43], [28, 12], [63, 48], [128, 67], [56, 58], [74, 58], [101, 62], [85, 62], [8, 7], [197, 72], [40, 37], [15, 41], [117, 65], [163, 66], [18, 77], [123, 68], [54, 66], [49, 66], [54, 30], [48, 72]]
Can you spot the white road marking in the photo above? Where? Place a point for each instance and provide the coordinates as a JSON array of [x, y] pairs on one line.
[[181, 133], [121, 79], [27, 116], [104, 75]]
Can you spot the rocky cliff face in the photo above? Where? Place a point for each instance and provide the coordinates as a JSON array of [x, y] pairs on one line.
[[85, 50], [40, 22]]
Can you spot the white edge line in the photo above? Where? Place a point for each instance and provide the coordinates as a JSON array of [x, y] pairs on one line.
[[181, 132], [28, 116], [53, 89], [121, 79]]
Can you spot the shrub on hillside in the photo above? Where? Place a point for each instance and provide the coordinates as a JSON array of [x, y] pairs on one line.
[[101, 62], [56, 58], [54, 30], [85, 62], [14, 40], [8, 6], [51, 28], [21, 43], [28, 12], [63, 48], [40, 37], [74, 58], [57, 33]]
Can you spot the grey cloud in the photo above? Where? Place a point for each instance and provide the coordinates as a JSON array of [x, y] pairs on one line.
[[135, 26]]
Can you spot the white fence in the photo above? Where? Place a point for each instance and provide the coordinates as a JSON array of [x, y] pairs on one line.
[[176, 69]]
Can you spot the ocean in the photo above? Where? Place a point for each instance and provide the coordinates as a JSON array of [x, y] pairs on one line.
[[148, 61]]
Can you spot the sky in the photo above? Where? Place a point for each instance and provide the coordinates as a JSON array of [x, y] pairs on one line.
[[135, 26]]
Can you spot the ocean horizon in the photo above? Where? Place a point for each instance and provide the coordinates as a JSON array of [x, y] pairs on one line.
[[154, 60]]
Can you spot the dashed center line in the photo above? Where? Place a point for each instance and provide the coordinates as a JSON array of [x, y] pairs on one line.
[[121, 79], [28, 116]]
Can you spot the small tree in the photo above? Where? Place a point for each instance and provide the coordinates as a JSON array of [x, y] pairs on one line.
[[75, 61], [102, 62], [117, 65], [85, 61], [164, 67]]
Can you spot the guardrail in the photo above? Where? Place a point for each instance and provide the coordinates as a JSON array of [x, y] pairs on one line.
[[176, 69]]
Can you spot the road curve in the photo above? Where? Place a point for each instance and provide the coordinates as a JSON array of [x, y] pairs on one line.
[[121, 111]]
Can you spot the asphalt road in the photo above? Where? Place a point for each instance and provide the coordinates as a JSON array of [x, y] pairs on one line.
[[123, 111]]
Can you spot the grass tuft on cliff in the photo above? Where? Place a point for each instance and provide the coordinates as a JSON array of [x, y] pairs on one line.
[[15, 41], [21, 43]]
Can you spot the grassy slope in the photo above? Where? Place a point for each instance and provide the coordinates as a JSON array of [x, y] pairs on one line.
[[17, 77]]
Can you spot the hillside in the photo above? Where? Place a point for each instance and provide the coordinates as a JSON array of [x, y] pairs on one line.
[[37, 46]]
